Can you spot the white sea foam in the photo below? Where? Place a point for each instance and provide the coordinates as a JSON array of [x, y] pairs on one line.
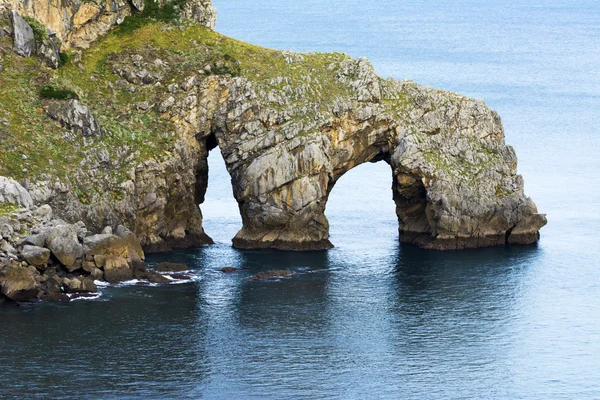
[[93, 297]]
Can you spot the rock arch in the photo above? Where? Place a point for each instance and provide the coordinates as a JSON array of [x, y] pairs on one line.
[[454, 179]]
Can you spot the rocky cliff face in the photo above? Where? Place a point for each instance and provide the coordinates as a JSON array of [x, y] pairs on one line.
[[122, 135]]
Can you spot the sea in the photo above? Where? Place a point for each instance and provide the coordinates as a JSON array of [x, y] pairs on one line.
[[371, 318]]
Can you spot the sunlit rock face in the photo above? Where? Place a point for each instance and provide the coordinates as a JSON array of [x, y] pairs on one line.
[[454, 179]]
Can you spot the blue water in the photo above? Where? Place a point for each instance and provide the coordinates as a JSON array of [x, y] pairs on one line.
[[372, 318]]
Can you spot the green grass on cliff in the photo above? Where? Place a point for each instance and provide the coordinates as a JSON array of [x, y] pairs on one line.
[[32, 144]]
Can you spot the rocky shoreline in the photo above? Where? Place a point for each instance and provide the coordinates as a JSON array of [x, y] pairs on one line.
[[109, 111]]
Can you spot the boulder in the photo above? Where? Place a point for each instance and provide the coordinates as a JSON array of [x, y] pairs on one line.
[[38, 240], [171, 267], [23, 38], [117, 269], [229, 270], [63, 243], [34, 255], [135, 249], [19, 283]]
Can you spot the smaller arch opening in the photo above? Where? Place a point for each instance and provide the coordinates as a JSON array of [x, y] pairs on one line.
[[220, 211], [360, 207]]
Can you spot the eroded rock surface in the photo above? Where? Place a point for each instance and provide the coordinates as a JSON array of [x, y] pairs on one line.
[[455, 182]]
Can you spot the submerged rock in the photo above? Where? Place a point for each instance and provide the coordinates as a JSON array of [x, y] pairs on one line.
[[273, 274], [171, 267], [228, 270]]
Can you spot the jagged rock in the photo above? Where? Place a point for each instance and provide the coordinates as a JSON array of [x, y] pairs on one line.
[[23, 38], [63, 243], [34, 255], [76, 116], [140, 272], [49, 51], [96, 274], [111, 254], [171, 267], [202, 11], [19, 283], [12, 192], [138, 4]]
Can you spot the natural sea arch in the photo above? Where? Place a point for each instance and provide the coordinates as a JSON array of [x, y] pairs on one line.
[[454, 180]]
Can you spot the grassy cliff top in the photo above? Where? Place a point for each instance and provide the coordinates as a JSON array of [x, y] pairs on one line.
[[32, 144]]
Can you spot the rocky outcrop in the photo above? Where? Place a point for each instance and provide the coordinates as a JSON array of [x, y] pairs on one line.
[[57, 258], [80, 23], [74, 116]]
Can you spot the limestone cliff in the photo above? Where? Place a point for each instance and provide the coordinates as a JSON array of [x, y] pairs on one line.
[[121, 135]]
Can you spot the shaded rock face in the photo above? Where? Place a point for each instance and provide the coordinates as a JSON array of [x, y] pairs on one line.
[[454, 179], [79, 23], [24, 41]]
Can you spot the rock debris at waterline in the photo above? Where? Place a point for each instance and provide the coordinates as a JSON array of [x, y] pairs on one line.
[[124, 103]]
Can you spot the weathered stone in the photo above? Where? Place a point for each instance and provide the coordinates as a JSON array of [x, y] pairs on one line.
[[49, 51], [37, 240], [136, 253], [63, 243], [76, 116], [12, 192], [34, 255], [18, 283], [23, 39], [117, 269]]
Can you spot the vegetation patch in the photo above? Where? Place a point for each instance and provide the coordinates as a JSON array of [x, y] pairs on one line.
[[7, 209], [152, 12], [40, 33], [51, 92]]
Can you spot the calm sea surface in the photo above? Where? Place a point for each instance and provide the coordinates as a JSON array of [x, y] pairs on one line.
[[371, 319]]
